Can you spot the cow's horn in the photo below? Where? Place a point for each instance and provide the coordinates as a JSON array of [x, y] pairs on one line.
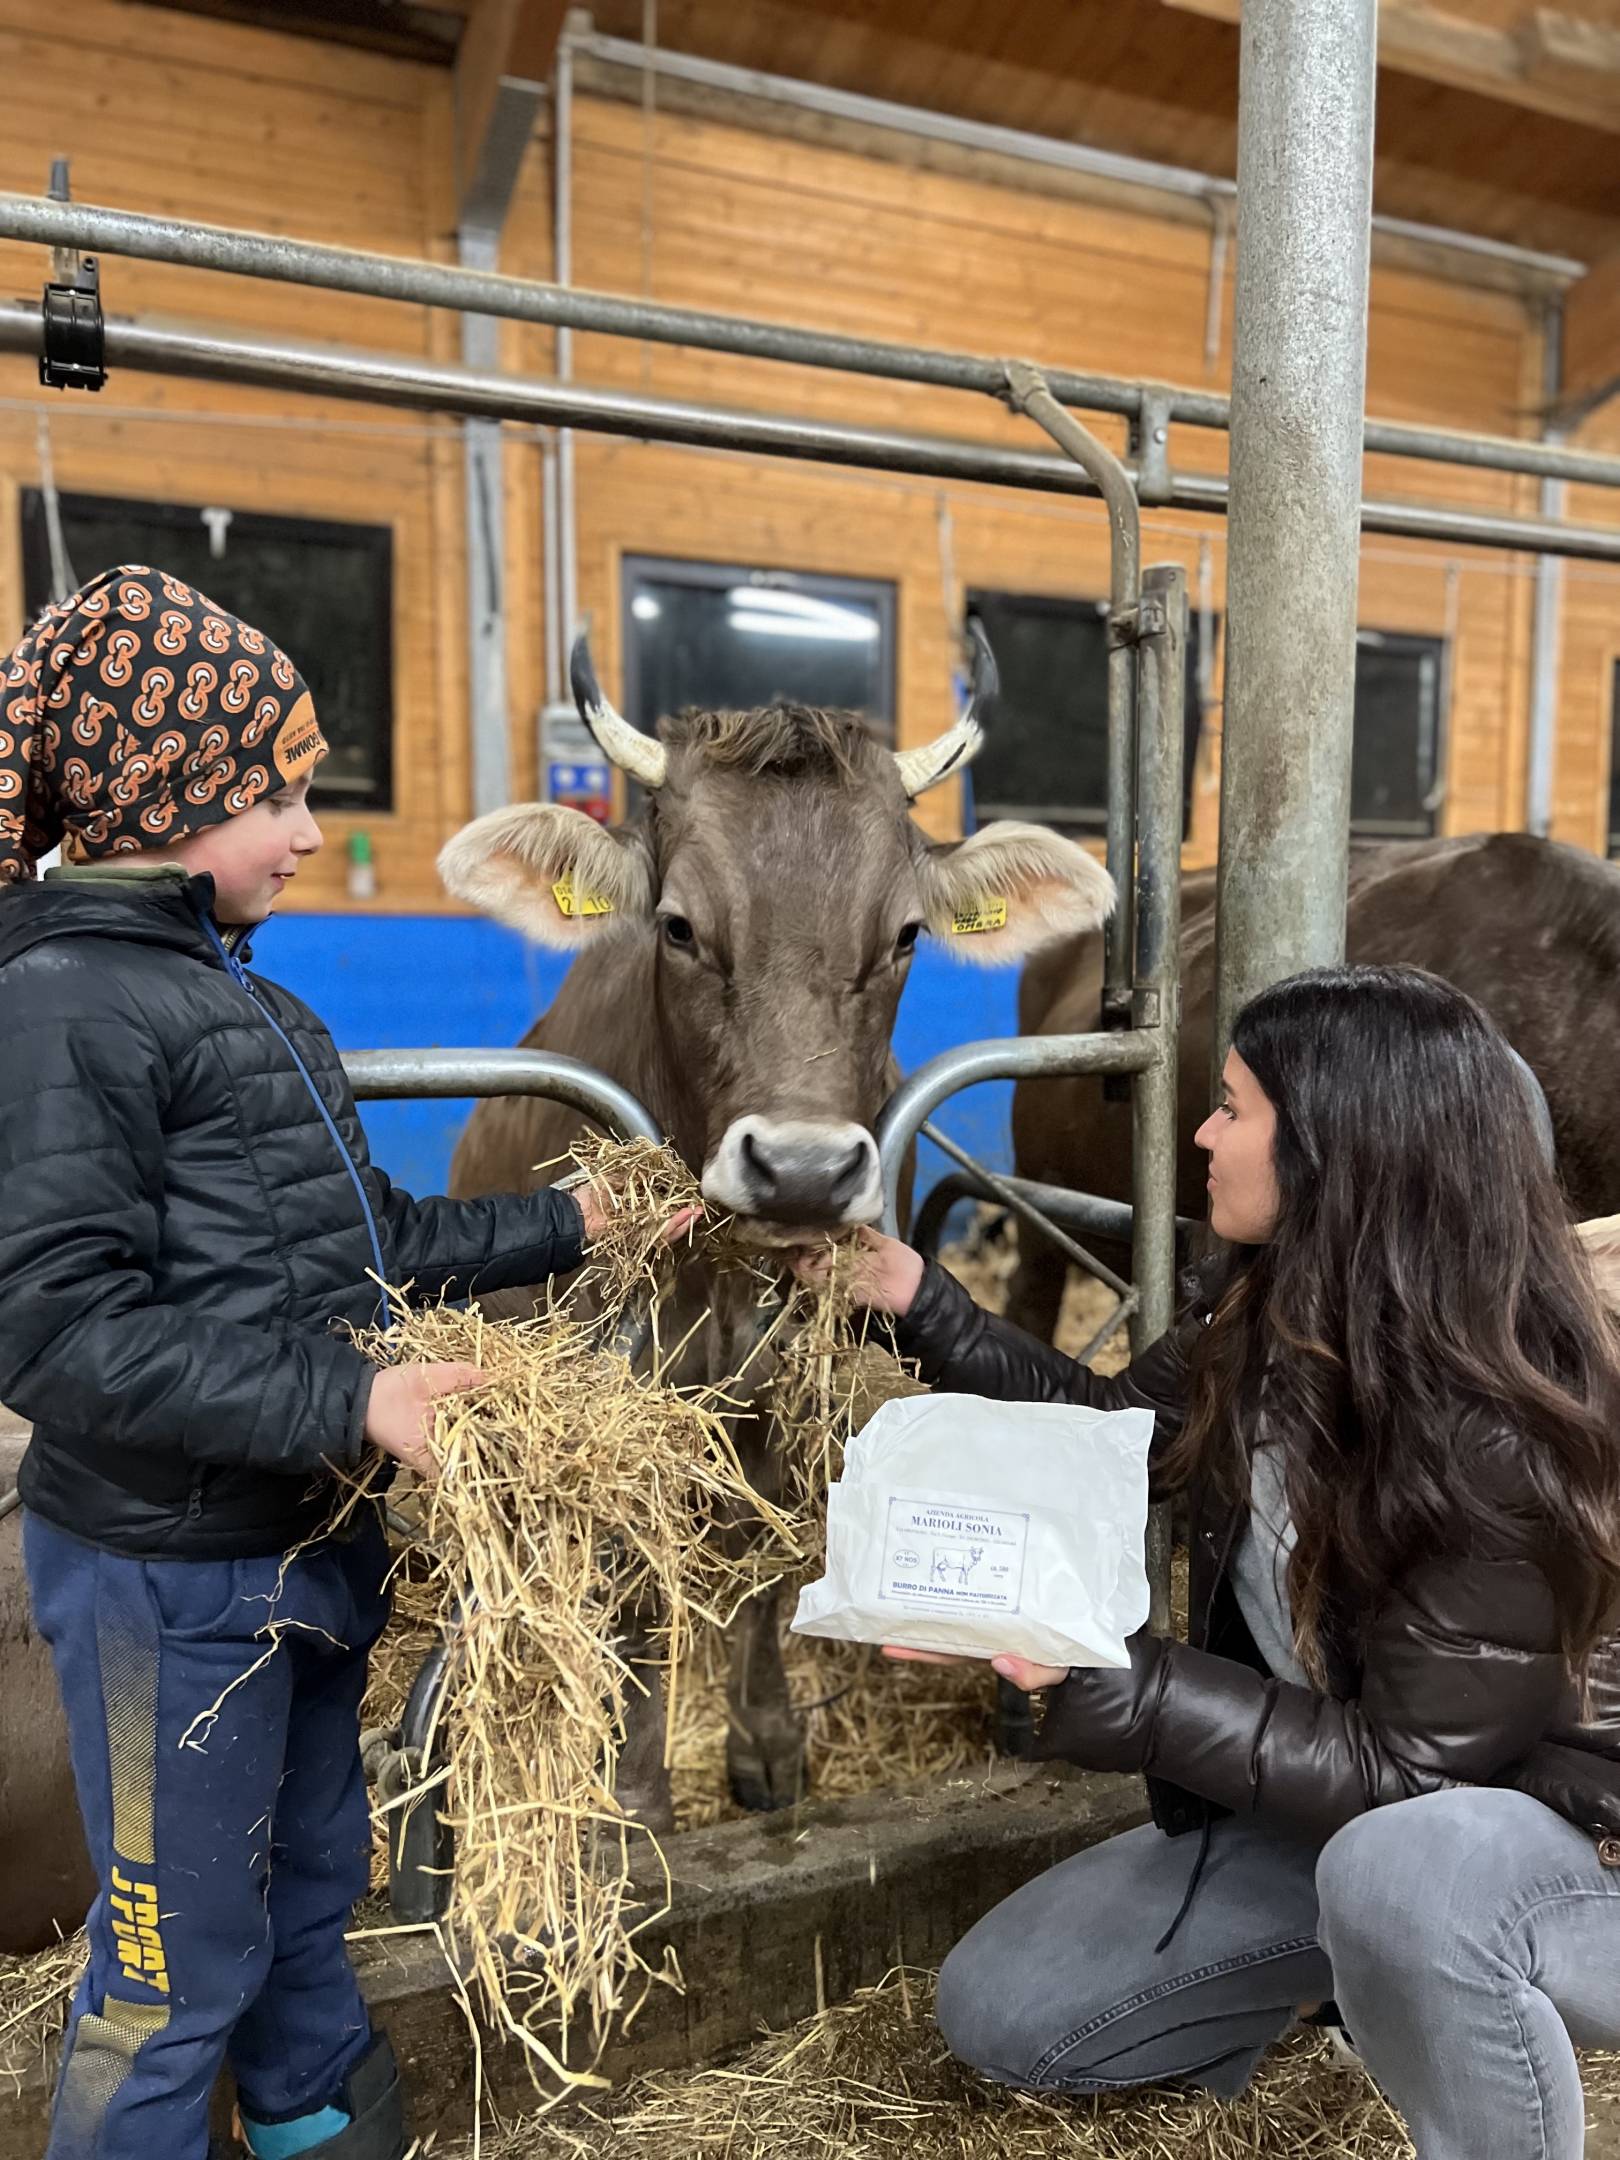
[[926, 766], [641, 756]]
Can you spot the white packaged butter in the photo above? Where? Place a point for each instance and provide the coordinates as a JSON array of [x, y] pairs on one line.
[[988, 1529]]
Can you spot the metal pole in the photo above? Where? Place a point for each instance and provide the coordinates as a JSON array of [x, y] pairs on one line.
[[566, 536], [1545, 625], [1029, 393], [393, 379], [392, 1075], [1009, 1057], [397, 277], [483, 463], [1305, 113], [1156, 991]]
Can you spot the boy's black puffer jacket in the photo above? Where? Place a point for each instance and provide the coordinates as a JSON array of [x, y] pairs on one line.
[[183, 1233]]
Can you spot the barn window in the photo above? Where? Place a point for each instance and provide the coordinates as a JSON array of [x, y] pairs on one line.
[[1046, 752], [717, 635], [322, 590], [1394, 761], [1614, 763]]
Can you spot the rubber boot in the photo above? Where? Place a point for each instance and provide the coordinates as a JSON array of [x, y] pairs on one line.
[[375, 2102]]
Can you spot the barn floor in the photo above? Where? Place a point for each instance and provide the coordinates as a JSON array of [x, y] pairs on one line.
[[872, 2078]]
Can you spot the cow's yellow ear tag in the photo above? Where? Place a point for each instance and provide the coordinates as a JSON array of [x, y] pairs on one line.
[[569, 902], [989, 914]]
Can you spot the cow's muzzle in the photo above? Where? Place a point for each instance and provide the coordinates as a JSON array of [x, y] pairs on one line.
[[795, 1170]]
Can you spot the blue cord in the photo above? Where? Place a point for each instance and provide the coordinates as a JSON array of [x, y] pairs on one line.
[[235, 969]]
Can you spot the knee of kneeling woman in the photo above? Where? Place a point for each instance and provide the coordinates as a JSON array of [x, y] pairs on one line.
[[1379, 1875], [974, 2013]]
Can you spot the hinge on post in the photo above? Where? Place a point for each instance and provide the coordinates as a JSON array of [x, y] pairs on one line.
[[1150, 446]]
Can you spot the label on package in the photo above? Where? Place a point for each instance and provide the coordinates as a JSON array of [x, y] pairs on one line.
[[938, 1555]]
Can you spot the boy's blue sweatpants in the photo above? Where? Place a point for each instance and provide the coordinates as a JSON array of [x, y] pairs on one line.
[[218, 1770]]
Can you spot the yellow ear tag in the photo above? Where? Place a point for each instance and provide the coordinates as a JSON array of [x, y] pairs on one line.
[[571, 903], [990, 914]]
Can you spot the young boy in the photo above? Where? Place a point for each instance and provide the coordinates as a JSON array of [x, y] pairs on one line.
[[187, 1218]]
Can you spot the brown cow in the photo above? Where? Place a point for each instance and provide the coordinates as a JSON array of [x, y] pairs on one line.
[[45, 1882], [741, 950], [1529, 928]]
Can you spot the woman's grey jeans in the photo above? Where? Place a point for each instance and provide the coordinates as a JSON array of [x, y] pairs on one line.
[[1471, 1940]]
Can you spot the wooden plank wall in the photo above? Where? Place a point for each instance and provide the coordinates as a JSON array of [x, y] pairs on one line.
[[202, 119]]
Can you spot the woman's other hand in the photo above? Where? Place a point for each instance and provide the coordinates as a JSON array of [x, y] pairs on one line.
[[886, 1275], [1023, 1674]]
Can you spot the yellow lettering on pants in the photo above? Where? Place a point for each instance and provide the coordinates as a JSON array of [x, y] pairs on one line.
[[134, 1909]]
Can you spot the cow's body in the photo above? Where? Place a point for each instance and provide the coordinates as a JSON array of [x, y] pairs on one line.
[[1529, 928], [45, 1877], [742, 977]]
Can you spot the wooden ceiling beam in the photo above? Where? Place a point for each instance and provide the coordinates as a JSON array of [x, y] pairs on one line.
[[502, 64], [1549, 61]]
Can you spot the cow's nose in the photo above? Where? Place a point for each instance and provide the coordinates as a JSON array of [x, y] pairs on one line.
[[795, 1170]]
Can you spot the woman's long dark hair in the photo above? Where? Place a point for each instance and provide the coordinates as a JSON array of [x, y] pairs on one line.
[[1422, 1333]]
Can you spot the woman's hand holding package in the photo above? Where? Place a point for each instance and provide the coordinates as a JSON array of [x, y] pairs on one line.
[[1024, 1675], [886, 1276], [1097, 1717]]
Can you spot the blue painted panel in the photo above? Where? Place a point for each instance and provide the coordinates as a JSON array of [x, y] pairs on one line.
[[395, 981]]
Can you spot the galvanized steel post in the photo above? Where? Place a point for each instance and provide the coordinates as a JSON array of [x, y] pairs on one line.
[[1305, 118]]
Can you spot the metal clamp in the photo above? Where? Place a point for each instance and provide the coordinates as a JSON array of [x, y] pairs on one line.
[[73, 341], [1150, 446]]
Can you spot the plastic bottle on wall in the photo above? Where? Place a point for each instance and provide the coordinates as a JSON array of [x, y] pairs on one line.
[[362, 870]]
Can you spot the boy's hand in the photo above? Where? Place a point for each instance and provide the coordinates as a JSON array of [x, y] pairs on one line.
[[596, 1217], [399, 1415], [886, 1277]]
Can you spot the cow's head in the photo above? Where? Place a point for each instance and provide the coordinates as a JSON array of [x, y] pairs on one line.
[[774, 889]]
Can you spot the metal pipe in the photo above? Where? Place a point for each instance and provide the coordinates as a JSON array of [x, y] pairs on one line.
[[1545, 617], [1089, 1212], [1156, 991], [37, 219], [483, 459], [1002, 1189], [390, 1075], [1305, 112], [1027, 392], [392, 379], [1009, 1057], [566, 536], [1017, 143]]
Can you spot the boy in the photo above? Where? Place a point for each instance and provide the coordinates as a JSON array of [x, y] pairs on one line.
[[187, 1217]]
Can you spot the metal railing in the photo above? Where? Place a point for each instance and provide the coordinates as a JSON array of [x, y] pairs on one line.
[[101, 230]]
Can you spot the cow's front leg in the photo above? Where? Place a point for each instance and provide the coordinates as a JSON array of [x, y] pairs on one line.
[[642, 1784], [764, 1734]]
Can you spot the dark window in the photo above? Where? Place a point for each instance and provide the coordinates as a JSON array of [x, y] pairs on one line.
[[322, 591], [730, 639], [1614, 763], [1394, 759], [1045, 754]]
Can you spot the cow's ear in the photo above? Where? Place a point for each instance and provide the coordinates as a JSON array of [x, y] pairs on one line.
[[549, 871], [1011, 889]]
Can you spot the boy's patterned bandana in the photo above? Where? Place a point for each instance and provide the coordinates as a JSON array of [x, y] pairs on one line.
[[137, 713]]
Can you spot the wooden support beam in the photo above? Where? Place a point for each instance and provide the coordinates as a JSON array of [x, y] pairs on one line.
[[502, 64], [1549, 61], [1591, 343]]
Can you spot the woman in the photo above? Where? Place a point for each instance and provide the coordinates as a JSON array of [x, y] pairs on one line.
[[1394, 1407]]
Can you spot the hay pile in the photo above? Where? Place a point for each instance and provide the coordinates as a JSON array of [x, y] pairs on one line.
[[872, 2078], [35, 1993], [571, 1493]]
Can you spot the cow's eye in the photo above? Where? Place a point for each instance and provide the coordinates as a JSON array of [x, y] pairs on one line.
[[907, 938], [678, 931]]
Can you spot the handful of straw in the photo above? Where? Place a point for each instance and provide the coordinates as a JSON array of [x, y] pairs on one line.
[[572, 1495]]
